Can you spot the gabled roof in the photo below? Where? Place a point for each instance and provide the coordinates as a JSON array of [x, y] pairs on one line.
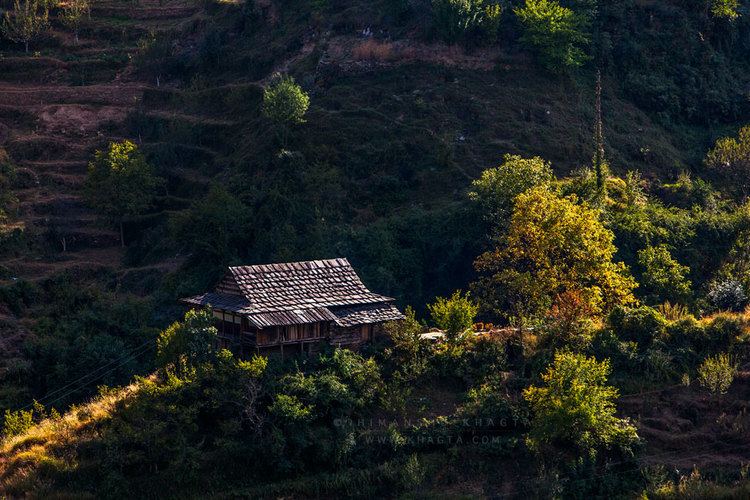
[[300, 285], [298, 292]]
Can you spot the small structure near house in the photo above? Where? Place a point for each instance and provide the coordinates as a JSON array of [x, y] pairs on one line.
[[294, 306]]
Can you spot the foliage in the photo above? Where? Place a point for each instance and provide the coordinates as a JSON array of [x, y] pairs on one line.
[[120, 183], [662, 277], [185, 345], [576, 408], [728, 294], [219, 214], [571, 320], [730, 157], [716, 373], [555, 32], [496, 190], [285, 104], [16, 423], [73, 12], [727, 9], [454, 315], [553, 246], [409, 350], [80, 328], [642, 324], [472, 361], [455, 20], [26, 22]]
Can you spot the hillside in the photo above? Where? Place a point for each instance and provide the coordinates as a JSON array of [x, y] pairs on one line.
[[444, 145]]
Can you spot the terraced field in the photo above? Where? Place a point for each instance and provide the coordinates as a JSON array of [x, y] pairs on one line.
[[56, 108]]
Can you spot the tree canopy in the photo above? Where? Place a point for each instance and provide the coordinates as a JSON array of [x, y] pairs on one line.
[[556, 33], [73, 13], [27, 21], [188, 343], [284, 102], [727, 9], [120, 183], [497, 188], [576, 407], [553, 245], [730, 157], [454, 315]]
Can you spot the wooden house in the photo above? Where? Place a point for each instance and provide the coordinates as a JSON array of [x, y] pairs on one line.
[[294, 306]]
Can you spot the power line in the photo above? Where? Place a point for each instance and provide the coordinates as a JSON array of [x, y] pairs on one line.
[[124, 359]]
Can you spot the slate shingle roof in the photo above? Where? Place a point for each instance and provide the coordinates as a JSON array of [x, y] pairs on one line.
[[299, 292], [367, 314]]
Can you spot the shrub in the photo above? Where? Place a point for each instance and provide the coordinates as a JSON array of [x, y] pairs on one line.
[[731, 158], [571, 320], [18, 422], [728, 294], [185, 345], [716, 373], [727, 9], [642, 324], [673, 312], [489, 400], [662, 277], [409, 350], [456, 20], [576, 408], [555, 32], [658, 365], [454, 315]]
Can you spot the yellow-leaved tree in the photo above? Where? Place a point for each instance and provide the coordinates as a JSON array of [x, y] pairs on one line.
[[554, 246]]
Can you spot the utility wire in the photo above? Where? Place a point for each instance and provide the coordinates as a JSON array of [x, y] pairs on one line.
[[95, 373]]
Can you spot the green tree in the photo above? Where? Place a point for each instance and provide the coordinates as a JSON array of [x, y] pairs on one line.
[[575, 408], [408, 346], [553, 246], [496, 190], [120, 183], [726, 9], [731, 158], [457, 19], [25, 22], [555, 32], [185, 345], [72, 12], [454, 315], [285, 104], [219, 214], [662, 277]]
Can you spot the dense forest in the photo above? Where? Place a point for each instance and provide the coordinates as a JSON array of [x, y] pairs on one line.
[[560, 187]]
